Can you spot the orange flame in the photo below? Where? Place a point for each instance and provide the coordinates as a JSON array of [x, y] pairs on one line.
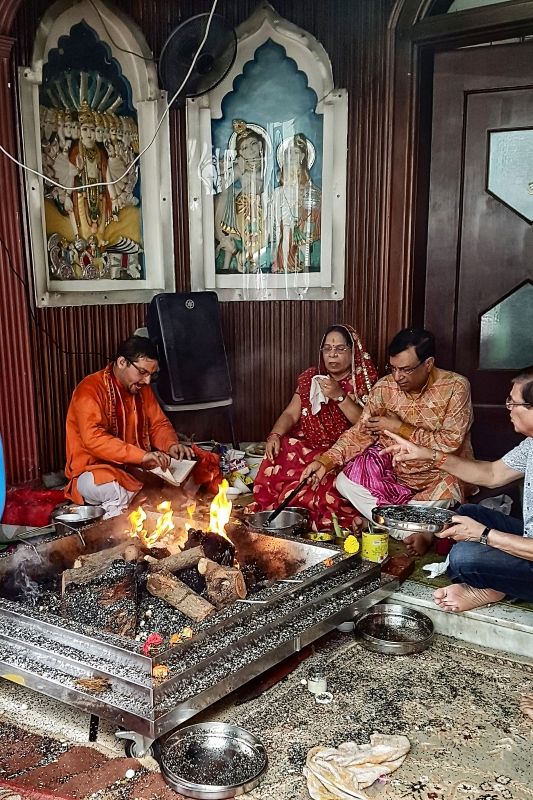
[[220, 510], [191, 508], [163, 525]]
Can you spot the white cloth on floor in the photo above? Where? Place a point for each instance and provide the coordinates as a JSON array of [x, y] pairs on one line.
[[341, 773], [111, 496], [437, 568], [316, 395]]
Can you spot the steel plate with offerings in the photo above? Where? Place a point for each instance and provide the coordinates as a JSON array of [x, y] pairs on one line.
[[413, 519]]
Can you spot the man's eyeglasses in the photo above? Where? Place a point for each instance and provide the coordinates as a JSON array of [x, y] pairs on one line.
[[402, 370], [145, 373], [338, 348], [510, 403]]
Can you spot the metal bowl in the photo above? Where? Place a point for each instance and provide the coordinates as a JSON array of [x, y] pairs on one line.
[[413, 519], [77, 516], [213, 760], [394, 629], [287, 521]]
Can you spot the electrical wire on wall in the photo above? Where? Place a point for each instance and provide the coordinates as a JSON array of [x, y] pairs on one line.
[[48, 180], [150, 143]]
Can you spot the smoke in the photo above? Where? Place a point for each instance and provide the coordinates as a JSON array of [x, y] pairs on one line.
[[25, 565]]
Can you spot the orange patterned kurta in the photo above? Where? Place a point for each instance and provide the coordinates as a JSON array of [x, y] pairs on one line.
[[91, 445], [439, 417]]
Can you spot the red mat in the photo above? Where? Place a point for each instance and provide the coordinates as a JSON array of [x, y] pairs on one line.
[[10, 790], [31, 507]]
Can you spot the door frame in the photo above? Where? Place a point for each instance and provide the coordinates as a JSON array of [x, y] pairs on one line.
[[414, 37]]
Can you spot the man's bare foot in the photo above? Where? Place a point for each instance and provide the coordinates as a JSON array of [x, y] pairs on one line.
[[417, 544], [461, 597], [526, 705]]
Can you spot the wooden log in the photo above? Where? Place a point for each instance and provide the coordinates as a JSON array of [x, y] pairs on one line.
[[224, 584], [178, 595], [183, 560], [93, 565], [129, 550]]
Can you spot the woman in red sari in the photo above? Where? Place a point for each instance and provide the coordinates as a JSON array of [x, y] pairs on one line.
[[327, 401]]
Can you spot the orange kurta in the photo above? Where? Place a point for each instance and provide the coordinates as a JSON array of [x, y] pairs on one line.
[[439, 417], [91, 445]]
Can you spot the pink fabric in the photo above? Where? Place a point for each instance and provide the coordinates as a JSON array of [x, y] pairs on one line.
[[373, 469]]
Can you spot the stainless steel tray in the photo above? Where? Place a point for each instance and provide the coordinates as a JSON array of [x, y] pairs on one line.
[[394, 629], [213, 760], [415, 519]]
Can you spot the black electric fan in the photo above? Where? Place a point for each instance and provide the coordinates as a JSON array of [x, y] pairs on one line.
[[212, 65]]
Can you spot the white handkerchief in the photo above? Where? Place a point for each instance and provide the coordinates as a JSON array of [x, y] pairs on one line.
[[316, 395], [437, 568]]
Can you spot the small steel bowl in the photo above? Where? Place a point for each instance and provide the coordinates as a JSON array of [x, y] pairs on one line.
[[412, 519], [75, 517], [213, 761], [287, 521], [394, 629]]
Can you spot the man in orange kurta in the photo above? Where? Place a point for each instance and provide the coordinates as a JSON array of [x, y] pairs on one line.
[[423, 404], [114, 422]]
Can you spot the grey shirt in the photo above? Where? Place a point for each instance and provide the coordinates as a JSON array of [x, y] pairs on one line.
[[521, 460]]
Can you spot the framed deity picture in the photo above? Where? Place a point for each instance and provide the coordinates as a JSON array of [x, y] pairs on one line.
[[89, 110], [267, 170]]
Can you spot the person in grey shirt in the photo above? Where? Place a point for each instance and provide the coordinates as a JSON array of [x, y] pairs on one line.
[[493, 554]]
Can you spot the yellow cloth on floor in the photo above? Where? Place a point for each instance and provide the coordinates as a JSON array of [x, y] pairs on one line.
[[342, 772]]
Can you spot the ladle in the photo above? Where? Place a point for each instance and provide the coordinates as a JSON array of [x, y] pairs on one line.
[[290, 497]]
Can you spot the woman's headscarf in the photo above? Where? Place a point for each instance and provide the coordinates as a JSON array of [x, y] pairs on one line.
[[364, 372]]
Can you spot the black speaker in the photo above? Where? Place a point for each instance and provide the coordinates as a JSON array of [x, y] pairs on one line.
[[186, 328]]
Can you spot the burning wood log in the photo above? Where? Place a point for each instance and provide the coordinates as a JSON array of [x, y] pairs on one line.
[[174, 563], [178, 595], [224, 584], [216, 548]]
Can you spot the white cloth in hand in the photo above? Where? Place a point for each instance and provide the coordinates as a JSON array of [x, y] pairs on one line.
[[341, 773], [316, 395]]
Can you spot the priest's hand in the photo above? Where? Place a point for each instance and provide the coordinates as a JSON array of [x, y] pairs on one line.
[[181, 451], [155, 458]]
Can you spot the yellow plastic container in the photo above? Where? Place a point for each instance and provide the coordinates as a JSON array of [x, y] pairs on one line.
[[375, 545]]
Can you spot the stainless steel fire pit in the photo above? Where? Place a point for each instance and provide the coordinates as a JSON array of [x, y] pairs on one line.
[[309, 589]]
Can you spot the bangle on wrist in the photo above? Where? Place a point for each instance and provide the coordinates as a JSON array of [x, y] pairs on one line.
[[273, 433], [440, 458]]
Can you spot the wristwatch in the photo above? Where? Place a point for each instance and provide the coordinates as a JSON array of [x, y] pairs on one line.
[[484, 536], [340, 398]]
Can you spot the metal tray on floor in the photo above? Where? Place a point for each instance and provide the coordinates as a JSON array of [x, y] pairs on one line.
[[394, 629]]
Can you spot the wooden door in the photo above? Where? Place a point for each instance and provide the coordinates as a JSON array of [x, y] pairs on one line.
[[479, 274]]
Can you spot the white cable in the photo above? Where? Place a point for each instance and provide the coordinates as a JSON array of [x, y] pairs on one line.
[[150, 143]]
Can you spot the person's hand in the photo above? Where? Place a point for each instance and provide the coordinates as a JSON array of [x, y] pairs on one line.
[[404, 450], [313, 473], [181, 451], [389, 421], [155, 458], [464, 529], [331, 387], [273, 446]]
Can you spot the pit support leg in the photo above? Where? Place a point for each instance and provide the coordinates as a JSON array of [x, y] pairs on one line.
[[94, 724]]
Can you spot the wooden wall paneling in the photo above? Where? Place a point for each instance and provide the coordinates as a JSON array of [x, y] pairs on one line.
[[267, 343]]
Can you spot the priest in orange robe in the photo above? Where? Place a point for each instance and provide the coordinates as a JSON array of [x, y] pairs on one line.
[[114, 423]]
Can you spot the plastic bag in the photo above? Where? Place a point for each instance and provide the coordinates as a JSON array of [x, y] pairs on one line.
[[501, 502]]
